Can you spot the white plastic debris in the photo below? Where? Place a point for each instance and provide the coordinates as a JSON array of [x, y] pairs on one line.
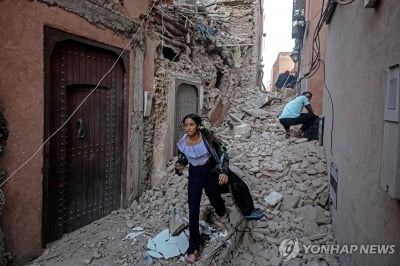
[[206, 227], [164, 245], [137, 232], [154, 254]]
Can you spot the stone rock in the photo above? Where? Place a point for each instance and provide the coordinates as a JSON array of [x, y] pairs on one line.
[[317, 183], [312, 171], [260, 261], [317, 262], [301, 187], [267, 255], [292, 262], [242, 131], [323, 199], [290, 202], [256, 247], [317, 237], [300, 140], [275, 261], [257, 236], [130, 224], [309, 228], [320, 167], [87, 261], [313, 214], [259, 113], [273, 240], [96, 255], [321, 217], [176, 223], [247, 257], [304, 165], [273, 198]]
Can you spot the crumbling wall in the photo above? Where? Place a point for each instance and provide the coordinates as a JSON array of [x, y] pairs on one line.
[[102, 13], [218, 44], [198, 43], [238, 32], [3, 176], [212, 43]]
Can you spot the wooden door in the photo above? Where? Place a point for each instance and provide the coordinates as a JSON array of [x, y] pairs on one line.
[[84, 180], [187, 101]]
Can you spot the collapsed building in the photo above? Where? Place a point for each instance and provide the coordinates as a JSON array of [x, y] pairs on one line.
[[144, 64], [215, 54]]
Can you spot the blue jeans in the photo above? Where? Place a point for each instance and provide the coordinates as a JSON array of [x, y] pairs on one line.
[[201, 177]]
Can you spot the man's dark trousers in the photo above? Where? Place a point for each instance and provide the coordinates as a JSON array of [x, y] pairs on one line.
[[306, 119]]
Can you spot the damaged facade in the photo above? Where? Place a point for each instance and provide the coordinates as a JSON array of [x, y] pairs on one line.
[[202, 69], [362, 129], [185, 59]]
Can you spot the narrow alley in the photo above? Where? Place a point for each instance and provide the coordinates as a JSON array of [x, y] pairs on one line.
[[294, 169], [101, 107]]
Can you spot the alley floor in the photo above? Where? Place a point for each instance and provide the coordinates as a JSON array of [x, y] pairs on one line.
[[288, 180]]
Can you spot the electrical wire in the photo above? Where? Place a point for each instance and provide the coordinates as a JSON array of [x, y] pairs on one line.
[[83, 101], [333, 109], [316, 62], [316, 46]]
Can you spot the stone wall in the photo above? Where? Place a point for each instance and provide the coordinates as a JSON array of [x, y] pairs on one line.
[[365, 213], [22, 86]]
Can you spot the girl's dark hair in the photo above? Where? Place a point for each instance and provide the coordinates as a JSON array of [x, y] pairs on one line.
[[195, 117]]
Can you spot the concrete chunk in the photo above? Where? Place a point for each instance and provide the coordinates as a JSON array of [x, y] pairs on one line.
[[273, 198]]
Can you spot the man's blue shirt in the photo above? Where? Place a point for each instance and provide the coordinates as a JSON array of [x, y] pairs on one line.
[[293, 108]]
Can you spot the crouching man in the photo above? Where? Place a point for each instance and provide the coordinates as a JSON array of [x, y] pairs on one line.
[[292, 115]]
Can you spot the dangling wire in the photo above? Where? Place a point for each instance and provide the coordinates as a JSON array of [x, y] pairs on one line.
[[83, 101]]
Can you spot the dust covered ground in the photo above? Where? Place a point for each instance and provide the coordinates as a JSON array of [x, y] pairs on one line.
[[288, 180]]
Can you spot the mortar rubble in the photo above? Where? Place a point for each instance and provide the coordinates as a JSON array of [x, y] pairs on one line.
[[270, 163]]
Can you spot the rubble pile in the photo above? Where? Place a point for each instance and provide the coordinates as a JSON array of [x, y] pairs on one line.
[[287, 178], [208, 44]]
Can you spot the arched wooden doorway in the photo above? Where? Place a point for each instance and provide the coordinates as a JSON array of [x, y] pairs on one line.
[[83, 161]]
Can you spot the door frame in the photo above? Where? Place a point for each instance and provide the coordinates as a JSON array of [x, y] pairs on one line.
[[177, 80], [53, 36]]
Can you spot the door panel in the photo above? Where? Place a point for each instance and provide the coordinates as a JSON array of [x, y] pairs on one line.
[[84, 182], [186, 102]]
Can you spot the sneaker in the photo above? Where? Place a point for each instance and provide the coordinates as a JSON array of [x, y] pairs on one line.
[[256, 214]]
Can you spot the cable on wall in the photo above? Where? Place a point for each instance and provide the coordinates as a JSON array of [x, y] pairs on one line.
[[316, 61], [333, 109]]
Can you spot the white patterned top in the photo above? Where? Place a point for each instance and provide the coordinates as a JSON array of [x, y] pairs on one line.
[[197, 154]]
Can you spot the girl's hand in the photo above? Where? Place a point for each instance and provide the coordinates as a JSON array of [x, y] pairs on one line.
[[179, 167], [222, 179]]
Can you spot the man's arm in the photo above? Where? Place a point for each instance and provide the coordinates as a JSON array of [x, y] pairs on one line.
[[309, 108]]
